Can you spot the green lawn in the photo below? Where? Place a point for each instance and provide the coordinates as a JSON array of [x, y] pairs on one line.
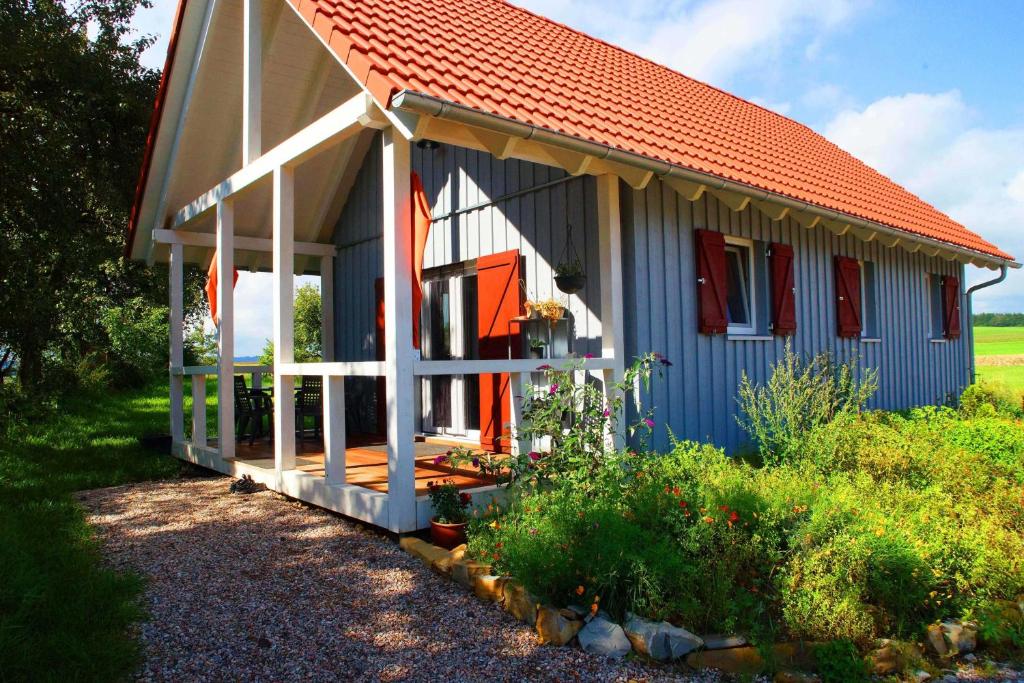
[[998, 341], [62, 615]]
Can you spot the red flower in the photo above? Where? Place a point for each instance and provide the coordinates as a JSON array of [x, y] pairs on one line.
[[465, 498], [682, 503], [723, 508], [677, 491], [734, 517]]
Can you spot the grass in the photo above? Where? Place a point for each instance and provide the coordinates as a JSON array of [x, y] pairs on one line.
[[63, 616], [998, 341]]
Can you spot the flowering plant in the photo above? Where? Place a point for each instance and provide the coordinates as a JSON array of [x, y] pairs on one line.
[[449, 503], [572, 426]]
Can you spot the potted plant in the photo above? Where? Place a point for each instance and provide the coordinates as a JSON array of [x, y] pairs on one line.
[[448, 525], [570, 277], [537, 346], [569, 274]]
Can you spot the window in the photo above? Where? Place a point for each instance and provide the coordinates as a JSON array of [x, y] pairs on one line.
[[741, 302], [869, 301], [934, 287]]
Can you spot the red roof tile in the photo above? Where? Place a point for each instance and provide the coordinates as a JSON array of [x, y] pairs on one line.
[[492, 56]]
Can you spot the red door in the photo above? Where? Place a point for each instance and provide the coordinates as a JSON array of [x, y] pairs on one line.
[[499, 299]]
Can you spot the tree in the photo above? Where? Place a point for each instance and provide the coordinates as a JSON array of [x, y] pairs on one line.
[[74, 113], [308, 343]]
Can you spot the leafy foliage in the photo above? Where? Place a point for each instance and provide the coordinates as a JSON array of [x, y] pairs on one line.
[[75, 112], [999, 319], [803, 393], [308, 314], [449, 504], [874, 524]]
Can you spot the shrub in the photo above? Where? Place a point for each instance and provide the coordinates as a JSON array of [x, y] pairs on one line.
[[987, 397], [802, 394]]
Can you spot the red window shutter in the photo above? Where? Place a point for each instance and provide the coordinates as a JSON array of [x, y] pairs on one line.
[[780, 261], [712, 282], [848, 305], [951, 307], [499, 299], [382, 405]]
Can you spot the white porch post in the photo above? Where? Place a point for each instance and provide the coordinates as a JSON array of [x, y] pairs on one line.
[[252, 64], [284, 317], [176, 275], [610, 246], [199, 410], [334, 429], [398, 333], [327, 308], [226, 336]]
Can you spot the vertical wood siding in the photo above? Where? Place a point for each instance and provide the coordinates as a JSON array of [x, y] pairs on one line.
[[697, 397], [455, 178]]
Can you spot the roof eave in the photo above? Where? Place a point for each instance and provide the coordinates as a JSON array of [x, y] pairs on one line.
[[423, 104]]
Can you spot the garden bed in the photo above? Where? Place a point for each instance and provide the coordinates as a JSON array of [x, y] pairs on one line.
[[894, 541]]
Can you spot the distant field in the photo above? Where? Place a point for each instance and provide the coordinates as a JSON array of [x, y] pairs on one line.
[[992, 341], [999, 352]]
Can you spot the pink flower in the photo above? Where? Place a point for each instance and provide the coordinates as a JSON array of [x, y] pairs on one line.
[[589, 356], [649, 422], [476, 462], [554, 388], [440, 459], [544, 367], [534, 456], [607, 413]]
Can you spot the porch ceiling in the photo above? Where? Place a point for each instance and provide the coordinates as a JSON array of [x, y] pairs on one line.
[[199, 141]]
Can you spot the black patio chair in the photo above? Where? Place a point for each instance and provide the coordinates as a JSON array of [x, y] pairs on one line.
[[309, 401], [251, 406]]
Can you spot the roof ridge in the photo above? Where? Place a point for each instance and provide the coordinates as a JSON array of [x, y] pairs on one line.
[[661, 66]]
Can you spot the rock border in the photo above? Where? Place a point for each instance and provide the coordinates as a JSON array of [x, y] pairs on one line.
[[597, 634]]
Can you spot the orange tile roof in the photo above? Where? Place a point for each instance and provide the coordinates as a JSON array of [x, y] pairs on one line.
[[504, 60]]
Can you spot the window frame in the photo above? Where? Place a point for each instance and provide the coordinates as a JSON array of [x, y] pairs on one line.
[[868, 300], [735, 245]]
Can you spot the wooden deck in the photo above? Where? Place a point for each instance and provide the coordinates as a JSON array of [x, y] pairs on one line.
[[365, 465]]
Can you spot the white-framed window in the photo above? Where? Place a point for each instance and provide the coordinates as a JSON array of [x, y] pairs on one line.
[[741, 301]]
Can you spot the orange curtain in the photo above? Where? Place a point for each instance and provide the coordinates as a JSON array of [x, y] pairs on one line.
[[211, 288], [420, 232]]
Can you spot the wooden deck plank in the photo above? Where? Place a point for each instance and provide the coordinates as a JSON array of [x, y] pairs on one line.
[[366, 465]]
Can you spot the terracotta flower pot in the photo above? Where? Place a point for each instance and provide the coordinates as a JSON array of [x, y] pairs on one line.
[[447, 536]]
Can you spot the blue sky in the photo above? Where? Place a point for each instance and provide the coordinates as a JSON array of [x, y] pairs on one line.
[[929, 93]]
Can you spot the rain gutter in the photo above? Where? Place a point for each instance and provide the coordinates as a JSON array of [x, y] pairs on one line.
[[419, 103]]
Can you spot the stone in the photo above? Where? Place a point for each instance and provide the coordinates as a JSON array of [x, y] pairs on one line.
[[490, 588], [581, 612], [464, 571], [937, 640], [446, 563], [425, 552], [660, 640], [570, 614], [886, 660], [747, 660], [553, 628], [518, 602], [795, 677], [603, 637], [921, 676], [717, 642], [734, 660], [961, 636]]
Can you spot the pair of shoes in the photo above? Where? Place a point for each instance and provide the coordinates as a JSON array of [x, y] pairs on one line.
[[246, 485]]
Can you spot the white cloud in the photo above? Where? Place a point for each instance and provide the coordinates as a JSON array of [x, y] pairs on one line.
[[712, 40], [929, 143]]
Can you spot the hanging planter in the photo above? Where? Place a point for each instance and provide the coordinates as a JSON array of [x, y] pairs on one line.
[[569, 274]]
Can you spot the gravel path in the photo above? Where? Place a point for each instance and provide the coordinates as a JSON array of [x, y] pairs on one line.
[[260, 588]]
